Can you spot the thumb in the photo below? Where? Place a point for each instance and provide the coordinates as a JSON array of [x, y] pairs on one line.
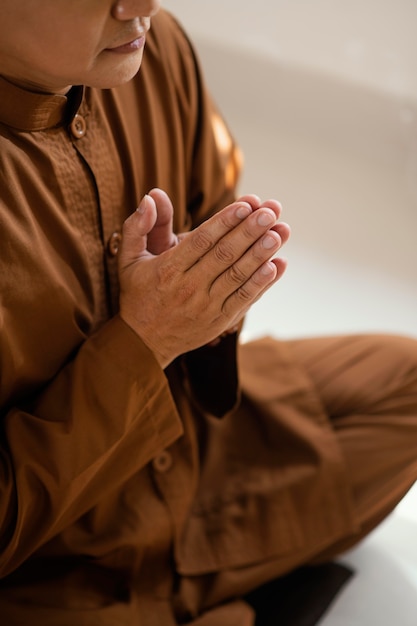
[[162, 237], [135, 232]]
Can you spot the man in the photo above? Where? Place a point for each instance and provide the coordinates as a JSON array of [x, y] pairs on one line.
[[152, 470]]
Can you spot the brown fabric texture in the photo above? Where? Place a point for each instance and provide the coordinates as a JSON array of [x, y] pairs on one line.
[[135, 496]]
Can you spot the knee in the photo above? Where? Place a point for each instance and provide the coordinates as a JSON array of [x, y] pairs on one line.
[[400, 355], [402, 349]]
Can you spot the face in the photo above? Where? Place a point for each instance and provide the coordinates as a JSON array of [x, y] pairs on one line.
[[50, 45]]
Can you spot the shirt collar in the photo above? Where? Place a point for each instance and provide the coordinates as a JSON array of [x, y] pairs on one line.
[[30, 111]]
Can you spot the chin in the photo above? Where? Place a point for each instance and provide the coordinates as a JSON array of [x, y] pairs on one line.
[[119, 75]]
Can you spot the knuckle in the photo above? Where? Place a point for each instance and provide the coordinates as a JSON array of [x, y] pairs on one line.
[[201, 241], [186, 292], [244, 294], [223, 252], [166, 274], [259, 254], [250, 230], [226, 220], [235, 276]]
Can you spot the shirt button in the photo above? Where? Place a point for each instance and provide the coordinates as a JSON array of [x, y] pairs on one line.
[[113, 243], [78, 127], [162, 462]]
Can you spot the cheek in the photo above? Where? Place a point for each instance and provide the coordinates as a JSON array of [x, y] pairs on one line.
[[74, 53], [76, 39]]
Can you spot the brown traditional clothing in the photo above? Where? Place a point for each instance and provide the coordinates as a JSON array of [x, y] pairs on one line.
[[125, 500]]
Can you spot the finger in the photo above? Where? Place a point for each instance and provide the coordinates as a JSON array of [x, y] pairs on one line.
[[200, 241], [234, 245], [238, 273], [283, 230], [249, 293], [256, 203], [162, 237], [281, 265], [135, 232], [226, 249], [252, 199], [274, 205]]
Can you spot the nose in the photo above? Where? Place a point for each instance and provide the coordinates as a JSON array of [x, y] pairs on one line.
[[129, 9]]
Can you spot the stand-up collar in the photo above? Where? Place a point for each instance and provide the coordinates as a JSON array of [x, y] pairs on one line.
[[30, 111]]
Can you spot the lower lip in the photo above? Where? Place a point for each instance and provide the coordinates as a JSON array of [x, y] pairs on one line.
[[128, 48]]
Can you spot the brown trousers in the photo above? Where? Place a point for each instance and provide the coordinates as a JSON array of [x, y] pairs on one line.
[[368, 386], [370, 391]]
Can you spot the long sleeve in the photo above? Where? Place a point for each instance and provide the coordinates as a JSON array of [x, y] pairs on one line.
[[100, 420]]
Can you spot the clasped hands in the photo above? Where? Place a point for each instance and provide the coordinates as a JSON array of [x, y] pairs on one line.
[[180, 293]]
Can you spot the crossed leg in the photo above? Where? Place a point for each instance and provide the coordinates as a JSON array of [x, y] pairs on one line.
[[368, 385]]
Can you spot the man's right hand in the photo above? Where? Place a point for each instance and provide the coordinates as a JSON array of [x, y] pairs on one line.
[[191, 293]]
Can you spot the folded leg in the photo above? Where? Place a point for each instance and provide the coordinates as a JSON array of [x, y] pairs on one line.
[[368, 385]]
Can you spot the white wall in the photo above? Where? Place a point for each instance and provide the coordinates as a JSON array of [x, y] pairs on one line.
[[372, 41], [322, 97]]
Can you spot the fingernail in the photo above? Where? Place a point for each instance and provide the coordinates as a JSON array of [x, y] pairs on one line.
[[265, 219], [243, 211], [269, 242], [142, 204], [267, 269]]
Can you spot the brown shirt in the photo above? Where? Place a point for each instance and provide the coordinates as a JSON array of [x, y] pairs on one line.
[[114, 473]]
